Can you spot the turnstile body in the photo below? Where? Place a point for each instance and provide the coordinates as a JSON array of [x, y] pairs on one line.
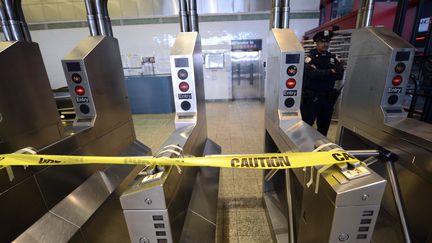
[[373, 116], [81, 203], [179, 204], [341, 209]]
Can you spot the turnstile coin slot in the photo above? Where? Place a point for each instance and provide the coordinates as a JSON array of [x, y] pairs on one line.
[[157, 217], [186, 116], [393, 111], [363, 229], [289, 113], [84, 120], [160, 233], [368, 213], [159, 226], [365, 221], [362, 236]]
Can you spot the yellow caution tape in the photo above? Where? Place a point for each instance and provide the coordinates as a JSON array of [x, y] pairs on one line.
[[254, 161]]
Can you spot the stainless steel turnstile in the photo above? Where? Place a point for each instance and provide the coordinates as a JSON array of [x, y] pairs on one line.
[[178, 204], [320, 204], [373, 116], [66, 202]]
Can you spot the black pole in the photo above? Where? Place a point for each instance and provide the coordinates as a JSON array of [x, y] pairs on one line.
[[400, 16]]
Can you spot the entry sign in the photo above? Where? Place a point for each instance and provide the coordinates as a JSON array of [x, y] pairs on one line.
[[246, 45]]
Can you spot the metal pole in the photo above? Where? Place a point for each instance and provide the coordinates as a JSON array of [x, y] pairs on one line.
[[275, 19], [398, 200], [369, 13], [286, 14], [184, 23], [193, 16], [24, 27], [102, 18], [400, 16], [13, 20], [107, 19], [359, 21], [4, 23], [91, 19], [290, 207]]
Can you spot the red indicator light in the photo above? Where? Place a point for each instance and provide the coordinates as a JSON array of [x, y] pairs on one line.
[[290, 83], [183, 86], [421, 38], [79, 90], [397, 80]]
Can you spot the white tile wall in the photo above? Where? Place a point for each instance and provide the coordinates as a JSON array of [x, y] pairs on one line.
[[304, 5], [59, 10], [154, 40]]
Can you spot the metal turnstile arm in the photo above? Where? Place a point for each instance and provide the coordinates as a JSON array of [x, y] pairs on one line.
[[398, 200]]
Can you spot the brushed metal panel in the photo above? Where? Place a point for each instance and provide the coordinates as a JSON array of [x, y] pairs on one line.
[[78, 206], [195, 223], [224, 6], [109, 218], [145, 7], [165, 8], [259, 5], [56, 182], [241, 6], [20, 207], [37, 123], [20, 174], [208, 6], [205, 194], [59, 229]]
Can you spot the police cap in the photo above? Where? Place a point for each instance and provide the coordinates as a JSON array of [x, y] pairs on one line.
[[323, 35]]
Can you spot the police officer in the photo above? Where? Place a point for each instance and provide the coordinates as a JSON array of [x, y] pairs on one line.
[[322, 69]]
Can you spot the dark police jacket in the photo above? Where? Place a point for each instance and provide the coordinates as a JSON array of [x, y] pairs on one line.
[[318, 76]]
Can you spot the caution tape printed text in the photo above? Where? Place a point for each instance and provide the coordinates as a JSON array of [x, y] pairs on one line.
[[254, 161]]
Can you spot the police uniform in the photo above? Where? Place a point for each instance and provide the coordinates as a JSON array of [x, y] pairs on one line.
[[319, 95]]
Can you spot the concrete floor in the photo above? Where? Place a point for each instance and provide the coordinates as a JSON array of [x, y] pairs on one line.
[[238, 127]]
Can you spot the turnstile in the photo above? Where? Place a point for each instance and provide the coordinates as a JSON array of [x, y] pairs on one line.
[[319, 204], [178, 204], [373, 116], [68, 202]]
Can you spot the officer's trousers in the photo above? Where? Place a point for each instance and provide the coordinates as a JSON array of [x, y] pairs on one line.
[[319, 108]]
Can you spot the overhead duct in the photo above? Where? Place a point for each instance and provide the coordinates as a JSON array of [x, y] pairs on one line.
[[13, 20], [102, 18], [91, 18], [4, 23], [193, 16], [184, 22], [23, 23], [275, 19], [285, 14]]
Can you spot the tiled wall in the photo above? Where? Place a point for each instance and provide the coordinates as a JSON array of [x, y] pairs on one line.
[[152, 40], [65, 10], [53, 10], [68, 10]]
